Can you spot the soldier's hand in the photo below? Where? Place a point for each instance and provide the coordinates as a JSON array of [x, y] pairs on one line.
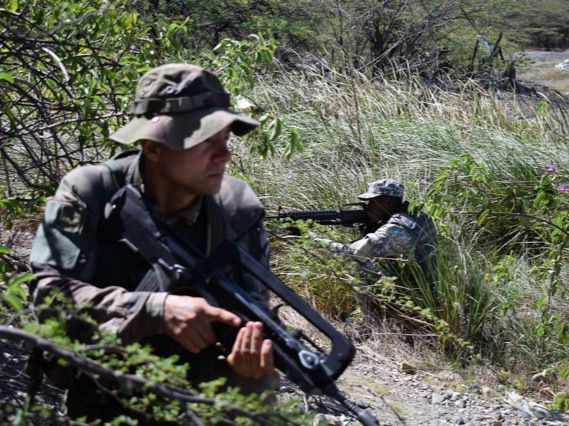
[[252, 356], [188, 321]]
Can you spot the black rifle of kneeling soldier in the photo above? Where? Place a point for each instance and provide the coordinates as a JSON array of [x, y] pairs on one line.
[[343, 216], [213, 278]]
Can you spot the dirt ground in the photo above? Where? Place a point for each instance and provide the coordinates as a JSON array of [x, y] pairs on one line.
[[541, 69]]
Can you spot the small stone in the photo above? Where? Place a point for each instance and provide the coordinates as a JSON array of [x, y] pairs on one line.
[[461, 403], [438, 398], [474, 388], [326, 419], [496, 423], [408, 368], [460, 421]]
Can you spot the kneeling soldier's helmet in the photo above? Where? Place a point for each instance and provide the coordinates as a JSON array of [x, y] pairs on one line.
[[390, 187]]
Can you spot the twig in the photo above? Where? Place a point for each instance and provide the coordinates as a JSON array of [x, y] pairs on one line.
[[96, 372], [58, 62]]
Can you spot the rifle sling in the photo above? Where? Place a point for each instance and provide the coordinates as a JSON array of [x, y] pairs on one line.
[[144, 237], [156, 279]]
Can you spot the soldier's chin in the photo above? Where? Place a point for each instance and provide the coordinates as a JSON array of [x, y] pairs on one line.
[[213, 187]]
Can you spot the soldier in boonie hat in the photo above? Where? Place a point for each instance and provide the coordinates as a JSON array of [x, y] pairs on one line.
[[181, 105], [182, 122], [387, 186]]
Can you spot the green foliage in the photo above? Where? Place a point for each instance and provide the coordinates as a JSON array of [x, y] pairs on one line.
[[327, 282], [213, 401], [542, 25], [514, 211], [507, 205], [75, 71], [12, 284], [561, 401], [79, 89]]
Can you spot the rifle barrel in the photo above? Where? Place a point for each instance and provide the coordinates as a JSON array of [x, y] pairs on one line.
[[344, 217]]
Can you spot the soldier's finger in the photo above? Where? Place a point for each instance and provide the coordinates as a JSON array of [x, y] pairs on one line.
[[198, 339], [221, 315], [267, 363], [247, 356], [237, 359], [238, 342], [256, 337], [245, 342]]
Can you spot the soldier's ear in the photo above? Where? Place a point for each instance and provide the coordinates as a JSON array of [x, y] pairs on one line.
[[151, 150]]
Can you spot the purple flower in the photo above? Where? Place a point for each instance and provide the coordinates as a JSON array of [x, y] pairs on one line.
[[551, 168], [563, 188]]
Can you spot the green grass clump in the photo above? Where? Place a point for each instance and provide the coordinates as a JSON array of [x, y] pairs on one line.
[[491, 169]]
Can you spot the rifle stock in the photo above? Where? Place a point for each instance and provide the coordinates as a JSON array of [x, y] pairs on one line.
[[306, 364]]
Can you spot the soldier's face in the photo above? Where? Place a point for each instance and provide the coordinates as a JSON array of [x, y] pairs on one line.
[[376, 210], [198, 170]]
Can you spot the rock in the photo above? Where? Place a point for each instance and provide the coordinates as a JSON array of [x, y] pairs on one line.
[[563, 65], [326, 419], [453, 396], [438, 398], [474, 388], [408, 368], [486, 391]]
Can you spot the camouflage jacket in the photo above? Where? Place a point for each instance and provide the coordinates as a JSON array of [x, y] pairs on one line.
[[404, 235], [72, 254]]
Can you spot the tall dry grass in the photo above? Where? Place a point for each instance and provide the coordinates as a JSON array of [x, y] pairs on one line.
[[356, 130]]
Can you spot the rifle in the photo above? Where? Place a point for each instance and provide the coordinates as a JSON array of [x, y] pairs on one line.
[[342, 216], [296, 355]]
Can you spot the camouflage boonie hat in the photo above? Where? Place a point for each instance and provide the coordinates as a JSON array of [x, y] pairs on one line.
[[181, 105], [391, 187]]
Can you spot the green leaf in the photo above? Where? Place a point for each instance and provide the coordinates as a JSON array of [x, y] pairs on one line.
[[295, 140], [20, 279], [482, 216], [523, 220], [288, 152], [13, 6], [5, 250], [14, 301], [7, 77], [276, 126]]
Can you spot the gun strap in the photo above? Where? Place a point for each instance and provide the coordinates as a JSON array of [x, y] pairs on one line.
[[149, 241]]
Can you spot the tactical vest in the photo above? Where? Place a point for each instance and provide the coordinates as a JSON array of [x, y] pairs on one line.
[[233, 213]]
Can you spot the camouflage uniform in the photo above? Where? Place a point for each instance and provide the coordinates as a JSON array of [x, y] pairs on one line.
[[403, 235], [75, 253]]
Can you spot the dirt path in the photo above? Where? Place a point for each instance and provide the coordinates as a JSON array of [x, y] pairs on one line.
[[415, 397], [543, 69]]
